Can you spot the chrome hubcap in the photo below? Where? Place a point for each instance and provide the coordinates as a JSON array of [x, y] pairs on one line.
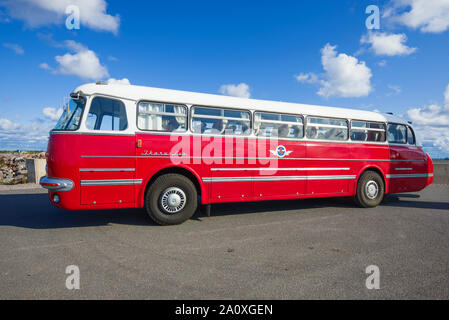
[[372, 189], [172, 200]]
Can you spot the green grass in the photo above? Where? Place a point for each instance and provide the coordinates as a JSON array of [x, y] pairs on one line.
[[7, 183]]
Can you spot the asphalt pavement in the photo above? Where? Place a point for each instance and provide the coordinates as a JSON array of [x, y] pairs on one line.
[[301, 249]]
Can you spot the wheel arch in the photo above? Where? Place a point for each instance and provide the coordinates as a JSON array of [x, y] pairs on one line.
[[374, 168], [182, 170]]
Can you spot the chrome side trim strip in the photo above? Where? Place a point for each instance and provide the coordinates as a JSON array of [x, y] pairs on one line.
[[395, 176], [121, 182], [278, 169], [248, 158], [106, 169], [403, 169], [278, 178]]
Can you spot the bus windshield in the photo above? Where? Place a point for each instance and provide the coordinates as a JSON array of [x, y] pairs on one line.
[[71, 117]]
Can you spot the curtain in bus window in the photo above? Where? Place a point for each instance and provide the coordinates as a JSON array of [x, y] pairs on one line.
[[180, 119], [161, 117], [156, 120]]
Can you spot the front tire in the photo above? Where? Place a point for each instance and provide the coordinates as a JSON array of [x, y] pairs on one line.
[[370, 190], [171, 199]]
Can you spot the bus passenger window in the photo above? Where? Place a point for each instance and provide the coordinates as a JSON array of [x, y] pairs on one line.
[[367, 131], [220, 121], [107, 115], [311, 132], [397, 133], [278, 125], [161, 117], [327, 128]]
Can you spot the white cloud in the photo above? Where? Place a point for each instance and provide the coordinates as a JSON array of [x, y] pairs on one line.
[[44, 66], [14, 47], [307, 77], [432, 124], [344, 75], [433, 114], [32, 135], [84, 63], [388, 44], [430, 115], [435, 140], [382, 63], [123, 81], [74, 46], [6, 124], [241, 90], [395, 90], [37, 13], [430, 16], [52, 113]]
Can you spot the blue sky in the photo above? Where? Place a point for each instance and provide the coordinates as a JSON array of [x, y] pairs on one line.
[[317, 52]]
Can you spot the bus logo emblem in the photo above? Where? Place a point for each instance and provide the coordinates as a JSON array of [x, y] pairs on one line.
[[280, 151]]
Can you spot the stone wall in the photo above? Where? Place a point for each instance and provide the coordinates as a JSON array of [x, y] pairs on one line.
[[13, 167], [441, 172]]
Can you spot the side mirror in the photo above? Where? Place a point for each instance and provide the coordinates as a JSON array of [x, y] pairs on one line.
[[75, 95]]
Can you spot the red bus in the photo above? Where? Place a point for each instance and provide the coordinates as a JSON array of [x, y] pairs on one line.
[[125, 146]]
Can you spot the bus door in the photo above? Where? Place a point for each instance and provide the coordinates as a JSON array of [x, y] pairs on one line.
[[107, 171]]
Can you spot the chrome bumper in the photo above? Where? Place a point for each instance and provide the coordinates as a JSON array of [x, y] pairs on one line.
[[56, 184]]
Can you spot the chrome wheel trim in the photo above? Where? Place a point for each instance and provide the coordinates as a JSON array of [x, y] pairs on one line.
[[172, 200], [371, 189]]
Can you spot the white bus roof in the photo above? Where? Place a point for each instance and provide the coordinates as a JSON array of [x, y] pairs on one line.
[[136, 93]]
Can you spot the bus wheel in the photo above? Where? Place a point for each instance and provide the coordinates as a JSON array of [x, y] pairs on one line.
[[171, 199], [370, 190]]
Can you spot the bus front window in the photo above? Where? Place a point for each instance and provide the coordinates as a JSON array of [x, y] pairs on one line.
[[71, 117]]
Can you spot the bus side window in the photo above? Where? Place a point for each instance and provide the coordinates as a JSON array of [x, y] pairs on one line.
[[397, 133], [156, 116], [367, 131], [278, 125], [107, 115], [327, 128], [91, 121], [410, 136], [220, 121]]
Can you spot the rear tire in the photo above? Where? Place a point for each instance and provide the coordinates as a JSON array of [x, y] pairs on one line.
[[171, 199], [370, 190]]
